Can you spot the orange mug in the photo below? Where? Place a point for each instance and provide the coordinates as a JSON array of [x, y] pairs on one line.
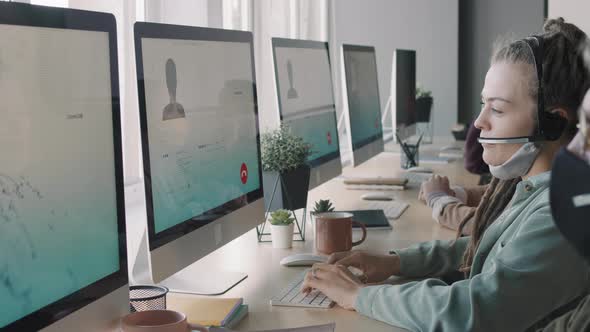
[[333, 232], [158, 320]]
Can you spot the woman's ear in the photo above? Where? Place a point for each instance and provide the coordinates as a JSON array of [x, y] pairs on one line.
[[568, 119], [562, 113]]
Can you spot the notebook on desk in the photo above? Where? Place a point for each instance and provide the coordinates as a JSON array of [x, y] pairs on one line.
[[374, 183], [383, 181], [372, 219], [207, 311]]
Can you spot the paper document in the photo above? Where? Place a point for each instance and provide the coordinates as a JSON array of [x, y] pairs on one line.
[[316, 328]]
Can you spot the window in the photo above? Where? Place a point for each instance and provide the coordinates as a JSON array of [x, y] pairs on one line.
[[237, 14], [53, 3], [301, 19]]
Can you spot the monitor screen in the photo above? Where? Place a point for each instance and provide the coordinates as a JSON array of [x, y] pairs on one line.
[[61, 217], [305, 93], [199, 126], [364, 106], [405, 91]]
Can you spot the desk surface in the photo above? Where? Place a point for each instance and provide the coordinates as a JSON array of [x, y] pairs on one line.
[[266, 276]]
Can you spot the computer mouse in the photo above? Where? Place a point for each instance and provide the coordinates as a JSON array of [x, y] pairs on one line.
[[419, 169], [303, 260], [376, 197]]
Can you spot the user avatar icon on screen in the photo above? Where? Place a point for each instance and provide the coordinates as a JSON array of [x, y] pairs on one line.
[[173, 110], [292, 93]]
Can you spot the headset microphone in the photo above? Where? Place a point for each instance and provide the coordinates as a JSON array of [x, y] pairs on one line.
[[505, 140]]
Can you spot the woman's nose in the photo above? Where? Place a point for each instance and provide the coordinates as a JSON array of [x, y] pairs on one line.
[[482, 122]]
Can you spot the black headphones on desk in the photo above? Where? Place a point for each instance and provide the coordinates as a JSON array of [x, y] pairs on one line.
[[551, 125]]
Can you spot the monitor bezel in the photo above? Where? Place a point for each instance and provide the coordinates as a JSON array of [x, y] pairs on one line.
[[404, 130], [180, 32], [308, 44], [20, 14], [366, 49]]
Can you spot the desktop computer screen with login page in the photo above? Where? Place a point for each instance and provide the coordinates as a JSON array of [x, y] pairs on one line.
[[306, 99], [62, 227], [201, 147], [306, 102], [364, 106], [201, 125]]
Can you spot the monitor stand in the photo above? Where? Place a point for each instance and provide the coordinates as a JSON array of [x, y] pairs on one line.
[[210, 283]]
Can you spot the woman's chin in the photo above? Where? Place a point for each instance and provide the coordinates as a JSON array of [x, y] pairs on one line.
[[490, 161], [486, 159]]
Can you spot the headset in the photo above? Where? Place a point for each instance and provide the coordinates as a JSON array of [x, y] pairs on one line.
[[551, 125]]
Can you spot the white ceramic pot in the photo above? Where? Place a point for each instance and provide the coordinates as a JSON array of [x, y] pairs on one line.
[[282, 236]]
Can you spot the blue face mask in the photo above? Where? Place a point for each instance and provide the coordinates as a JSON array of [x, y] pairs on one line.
[[570, 199]]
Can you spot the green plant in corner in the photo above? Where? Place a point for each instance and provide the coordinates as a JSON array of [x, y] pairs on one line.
[[281, 217], [323, 205], [282, 151], [422, 93]]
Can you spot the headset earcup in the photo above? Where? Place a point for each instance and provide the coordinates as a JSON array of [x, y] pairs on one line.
[[553, 126]]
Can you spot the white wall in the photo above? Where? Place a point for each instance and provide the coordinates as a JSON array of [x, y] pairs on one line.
[[182, 12], [429, 27], [573, 11]]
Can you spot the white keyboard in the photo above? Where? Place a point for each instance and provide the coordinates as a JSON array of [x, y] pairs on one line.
[[291, 296], [392, 209], [417, 177]]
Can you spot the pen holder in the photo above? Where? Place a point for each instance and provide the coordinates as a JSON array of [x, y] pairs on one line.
[[413, 159], [147, 297]]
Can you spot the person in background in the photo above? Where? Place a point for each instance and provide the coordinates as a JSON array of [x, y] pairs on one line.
[[453, 206]]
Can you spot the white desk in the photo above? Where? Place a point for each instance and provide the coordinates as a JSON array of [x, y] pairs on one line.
[[266, 277]]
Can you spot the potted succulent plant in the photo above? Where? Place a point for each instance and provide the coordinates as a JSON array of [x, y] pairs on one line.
[[423, 104], [281, 228], [285, 170], [321, 206]]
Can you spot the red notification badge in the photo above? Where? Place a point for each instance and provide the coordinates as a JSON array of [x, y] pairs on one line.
[[244, 173]]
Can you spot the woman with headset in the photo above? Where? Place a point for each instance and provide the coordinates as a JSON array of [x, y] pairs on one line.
[[517, 266]]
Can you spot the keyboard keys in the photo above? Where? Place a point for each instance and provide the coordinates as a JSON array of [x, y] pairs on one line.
[[292, 296]]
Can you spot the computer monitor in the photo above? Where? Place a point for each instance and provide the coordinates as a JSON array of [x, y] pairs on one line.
[[63, 252], [306, 102], [403, 93], [201, 147], [363, 105]]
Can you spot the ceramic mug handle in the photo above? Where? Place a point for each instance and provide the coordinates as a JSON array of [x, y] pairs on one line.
[[364, 229]]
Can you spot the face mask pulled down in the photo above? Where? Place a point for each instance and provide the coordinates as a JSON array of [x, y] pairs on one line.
[[519, 164]]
